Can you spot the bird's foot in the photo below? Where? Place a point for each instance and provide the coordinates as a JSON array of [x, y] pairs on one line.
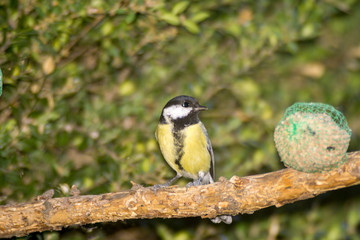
[[223, 218], [158, 186], [193, 184]]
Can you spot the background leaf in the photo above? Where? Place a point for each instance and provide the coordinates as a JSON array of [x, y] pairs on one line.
[[191, 26], [180, 7], [170, 18]]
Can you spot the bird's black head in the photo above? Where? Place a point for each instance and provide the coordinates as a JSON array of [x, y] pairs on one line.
[[182, 110]]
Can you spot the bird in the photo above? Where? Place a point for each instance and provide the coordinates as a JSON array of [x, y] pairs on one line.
[[185, 144]]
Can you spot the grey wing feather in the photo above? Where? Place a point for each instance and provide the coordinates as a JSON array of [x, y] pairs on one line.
[[209, 148]]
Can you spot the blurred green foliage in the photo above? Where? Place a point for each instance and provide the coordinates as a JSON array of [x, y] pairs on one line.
[[85, 82]]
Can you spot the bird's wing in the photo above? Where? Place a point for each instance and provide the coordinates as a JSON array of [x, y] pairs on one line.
[[209, 148]]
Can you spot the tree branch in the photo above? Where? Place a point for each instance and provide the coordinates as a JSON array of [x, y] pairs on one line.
[[238, 195]]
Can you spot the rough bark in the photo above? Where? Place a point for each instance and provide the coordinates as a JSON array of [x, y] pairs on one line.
[[230, 197]]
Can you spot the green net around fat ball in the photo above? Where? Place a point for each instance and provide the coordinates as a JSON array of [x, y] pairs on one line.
[[312, 137]]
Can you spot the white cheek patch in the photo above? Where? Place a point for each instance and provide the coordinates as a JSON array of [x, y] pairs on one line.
[[177, 111]]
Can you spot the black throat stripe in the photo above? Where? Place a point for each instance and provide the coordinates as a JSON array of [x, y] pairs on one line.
[[181, 123], [179, 147]]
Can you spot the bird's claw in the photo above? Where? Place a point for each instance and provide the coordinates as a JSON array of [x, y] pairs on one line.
[[223, 218], [193, 184], [158, 186]]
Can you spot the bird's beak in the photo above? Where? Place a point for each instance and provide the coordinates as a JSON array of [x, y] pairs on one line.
[[201, 108]]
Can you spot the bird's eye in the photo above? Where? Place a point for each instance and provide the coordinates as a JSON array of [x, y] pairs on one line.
[[185, 104]]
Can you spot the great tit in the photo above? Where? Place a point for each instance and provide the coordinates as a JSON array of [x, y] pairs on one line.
[[185, 144]]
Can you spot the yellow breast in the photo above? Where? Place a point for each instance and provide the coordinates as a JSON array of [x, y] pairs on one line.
[[195, 156], [165, 139]]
